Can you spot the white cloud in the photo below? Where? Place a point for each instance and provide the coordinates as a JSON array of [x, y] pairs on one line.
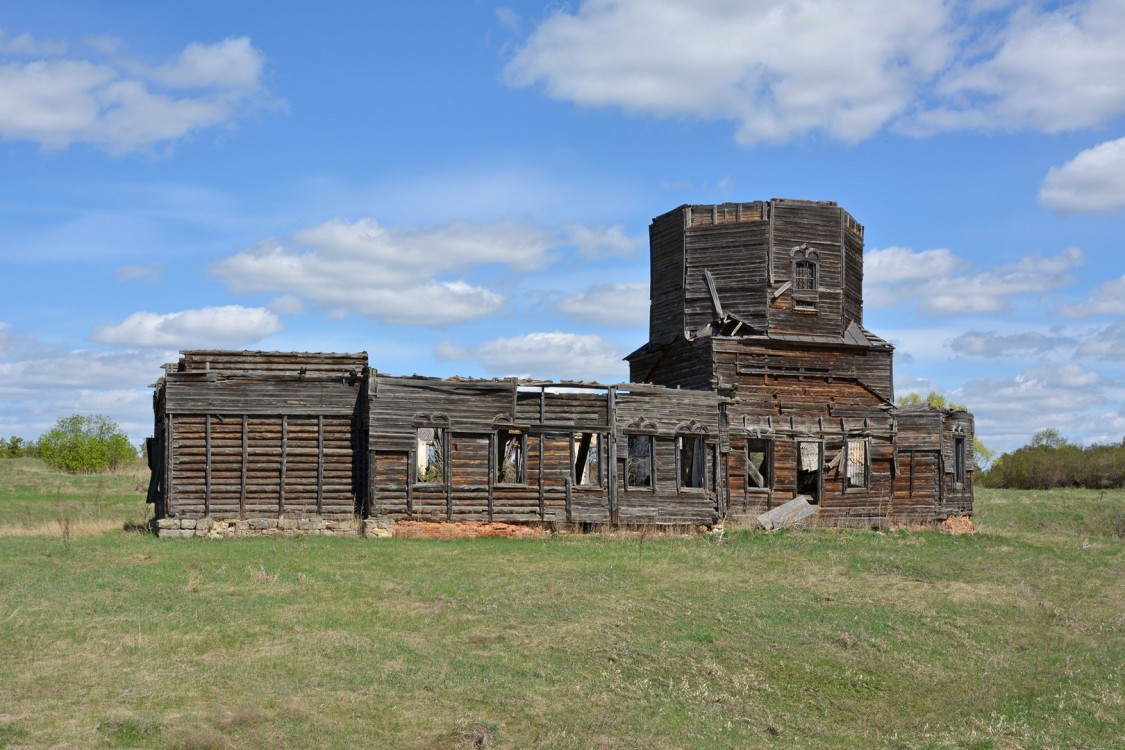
[[779, 71], [1051, 70], [208, 327], [26, 44], [894, 264], [1010, 410], [845, 69], [230, 65], [1108, 343], [121, 105], [133, 273], [995, 345], [1104, 299], [7, 338], [405, 275], [608, 304], [932, 280], [1092, 182], [554, 356], [603, 242], [39, 370], [40, 384]]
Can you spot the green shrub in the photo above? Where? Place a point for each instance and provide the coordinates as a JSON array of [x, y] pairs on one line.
[[86, 444], [1048, 462]]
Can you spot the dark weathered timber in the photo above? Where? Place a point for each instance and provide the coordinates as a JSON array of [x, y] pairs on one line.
[[756, 345]]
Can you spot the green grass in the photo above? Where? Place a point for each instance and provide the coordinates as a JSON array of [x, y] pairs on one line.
[[1012, 638], [33, 496]]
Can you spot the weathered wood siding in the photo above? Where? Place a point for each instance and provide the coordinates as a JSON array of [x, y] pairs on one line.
[[666, 276], [818, 225], [853, 268], [730, 242], [259, 435]]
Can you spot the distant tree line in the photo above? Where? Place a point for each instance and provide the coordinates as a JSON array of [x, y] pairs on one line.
[[79, 444], [1049, 461]]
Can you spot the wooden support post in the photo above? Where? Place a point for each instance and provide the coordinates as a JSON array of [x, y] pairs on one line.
[[207, 469], [169, 463], [372, 496], [569, 510], [245, 467], [493, 468], [320, 464], [447, 472], [542, 499], [412, 477], [611, 464], [281, 472]]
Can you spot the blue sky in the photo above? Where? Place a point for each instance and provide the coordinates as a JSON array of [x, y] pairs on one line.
[[465, 188]]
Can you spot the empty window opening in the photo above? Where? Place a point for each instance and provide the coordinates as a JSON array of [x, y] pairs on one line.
[[759, 463], [639, 468], [692, 457], [959, 460], [431, 455], [510, 453], [587, 459], [810, 459], [857, 469]]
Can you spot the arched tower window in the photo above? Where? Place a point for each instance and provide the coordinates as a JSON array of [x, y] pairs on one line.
[[805, 278]]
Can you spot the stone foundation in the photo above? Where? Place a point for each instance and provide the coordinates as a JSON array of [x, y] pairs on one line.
[[208, 528]]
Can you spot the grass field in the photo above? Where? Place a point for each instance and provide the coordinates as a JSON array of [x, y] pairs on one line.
[[1010, 638]]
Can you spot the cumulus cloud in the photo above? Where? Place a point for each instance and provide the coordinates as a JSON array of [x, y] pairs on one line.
[[553, 356], [231, 325], [1104, 299], [994, 345], [1092, 182], [789, 69], [608, 304], [795, 68], [895, 264], [39, 384], [390, 274], [409, 275], [1010, 410], [121, 105], [942, 284]]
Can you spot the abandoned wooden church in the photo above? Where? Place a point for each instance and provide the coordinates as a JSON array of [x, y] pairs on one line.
[[758, 383]]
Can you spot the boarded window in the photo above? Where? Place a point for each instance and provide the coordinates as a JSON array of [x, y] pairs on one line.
[[510, 455], [587, 459], [692, 458], [759, 464], [857, 464], [639, 469], [431, 455]]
